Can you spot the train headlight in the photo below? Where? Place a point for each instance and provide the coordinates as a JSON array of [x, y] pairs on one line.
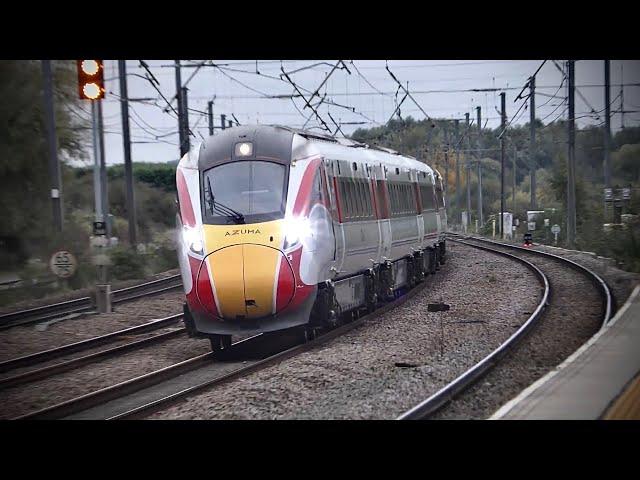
[[296, 229], [193, 239], [244, 149]]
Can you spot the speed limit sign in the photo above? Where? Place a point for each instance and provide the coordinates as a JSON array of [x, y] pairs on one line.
[[63, 264]]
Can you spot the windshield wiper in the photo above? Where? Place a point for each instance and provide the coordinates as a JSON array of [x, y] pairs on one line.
[[223, 209]]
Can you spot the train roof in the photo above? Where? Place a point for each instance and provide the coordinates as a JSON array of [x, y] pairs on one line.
[[285, 144]]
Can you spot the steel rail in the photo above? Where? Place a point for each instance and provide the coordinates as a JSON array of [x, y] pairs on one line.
[[78, 305], [460, 383], [122, 389], [104, 395], [598, 281], [52, 353], [46, 372], [165, 402], [453, 388]]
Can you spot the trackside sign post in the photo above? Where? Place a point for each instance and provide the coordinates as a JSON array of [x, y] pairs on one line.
[[555, 230], [63, 264]]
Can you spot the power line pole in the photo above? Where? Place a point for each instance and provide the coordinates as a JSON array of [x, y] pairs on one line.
[[103, 288], [532, 141], [607, 123], [223, 121], [128, 167], [185, 146], [210, 114], [456, 124], [104, 188], [97, 185], [513, 193], [54, 163], [479, 154], [503, 123], [621, 97], [181, 130], [571, 160], [468, 168], [230, 123], [446, 168]]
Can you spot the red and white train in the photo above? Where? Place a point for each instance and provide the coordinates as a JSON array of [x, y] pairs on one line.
[[280, 228]]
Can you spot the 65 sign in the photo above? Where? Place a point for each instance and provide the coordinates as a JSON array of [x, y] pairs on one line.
[[63, 264]]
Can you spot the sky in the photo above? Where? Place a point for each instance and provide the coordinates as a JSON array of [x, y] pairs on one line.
[[441, 87]]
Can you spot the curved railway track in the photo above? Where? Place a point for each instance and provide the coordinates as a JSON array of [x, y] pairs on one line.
[[554, 287], [154, 391], [79, 305], [146, 394]]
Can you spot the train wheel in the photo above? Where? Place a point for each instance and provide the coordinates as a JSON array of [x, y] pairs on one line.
[[443, 254], [308, 333], [220, 342], [432, 261]]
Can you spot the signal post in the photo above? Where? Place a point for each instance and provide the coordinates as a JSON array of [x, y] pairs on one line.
[[91, 88]]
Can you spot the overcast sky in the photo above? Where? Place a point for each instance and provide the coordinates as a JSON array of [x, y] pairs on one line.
[[437, 85]]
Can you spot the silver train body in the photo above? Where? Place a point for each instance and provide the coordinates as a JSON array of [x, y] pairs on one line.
[[318, 226]]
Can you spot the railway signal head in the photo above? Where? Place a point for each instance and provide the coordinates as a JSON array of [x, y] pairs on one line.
[[90, 79]]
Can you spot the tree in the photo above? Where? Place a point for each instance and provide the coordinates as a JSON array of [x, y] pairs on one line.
[[26, 211]]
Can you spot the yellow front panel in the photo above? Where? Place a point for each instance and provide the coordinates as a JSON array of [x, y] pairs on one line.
[[246, 270], [266, 233], [260, 265], [226, 269]]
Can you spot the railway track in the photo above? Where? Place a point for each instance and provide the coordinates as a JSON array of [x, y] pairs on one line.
[[53, 353], [143, 395], [80, 305], [146, 394], [546, 267]]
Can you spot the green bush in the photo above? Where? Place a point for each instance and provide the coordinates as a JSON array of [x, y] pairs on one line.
[[126, 264]]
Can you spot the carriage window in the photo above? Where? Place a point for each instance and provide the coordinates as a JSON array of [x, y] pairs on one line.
[[380, 199], [344, 187], [426, 193], [367, 197], [343, 198], [402, 199], [358, 196], [439, 194], [356, 200]]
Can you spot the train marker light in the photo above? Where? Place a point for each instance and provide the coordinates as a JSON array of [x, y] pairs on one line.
[[244, 149], [90, 79]]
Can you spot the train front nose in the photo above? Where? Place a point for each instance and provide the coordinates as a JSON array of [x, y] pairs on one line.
[[250, 280]]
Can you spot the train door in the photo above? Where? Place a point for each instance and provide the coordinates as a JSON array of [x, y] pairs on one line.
[[415, 178], [382, 203], [437, 187], [351, 192], [331, 175], [443, 205]]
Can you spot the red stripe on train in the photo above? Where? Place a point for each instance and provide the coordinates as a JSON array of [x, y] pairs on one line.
[[286, 285], [302, 205], [204, 289], [186, 209]]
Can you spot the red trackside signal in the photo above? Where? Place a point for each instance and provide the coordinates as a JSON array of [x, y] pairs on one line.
[[90, 79]]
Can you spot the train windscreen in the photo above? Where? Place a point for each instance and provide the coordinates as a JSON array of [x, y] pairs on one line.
[[244, 192]]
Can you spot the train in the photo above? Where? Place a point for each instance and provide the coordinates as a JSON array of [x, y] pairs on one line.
[[282, 228]]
